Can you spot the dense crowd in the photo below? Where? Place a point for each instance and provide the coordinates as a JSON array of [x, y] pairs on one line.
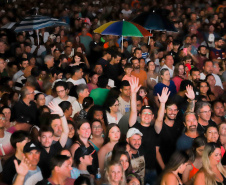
[[77, 107]]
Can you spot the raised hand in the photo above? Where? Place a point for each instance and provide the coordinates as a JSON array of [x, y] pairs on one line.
[[134, 84], [190, 92], [164, 96], [22, 168], [55, 109]]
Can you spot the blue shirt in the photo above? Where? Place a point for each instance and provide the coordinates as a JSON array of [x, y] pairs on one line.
[[159, 86]]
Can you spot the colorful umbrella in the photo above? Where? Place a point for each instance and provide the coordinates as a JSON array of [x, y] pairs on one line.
[[123, 28]]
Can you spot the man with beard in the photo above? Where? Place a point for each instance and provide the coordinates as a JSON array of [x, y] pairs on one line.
[[217, 53], [138, 73], [134, 139], [48, 149], [218, 112], [170, 128], [207, 69], [32, 155], [201, 57], [195, 77], [185, 141]]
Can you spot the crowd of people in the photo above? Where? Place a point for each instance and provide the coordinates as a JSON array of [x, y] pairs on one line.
[[77, 108]]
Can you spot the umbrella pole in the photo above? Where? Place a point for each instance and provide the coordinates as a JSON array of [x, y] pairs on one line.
[[122, 42], [149, 38], [37, 37]]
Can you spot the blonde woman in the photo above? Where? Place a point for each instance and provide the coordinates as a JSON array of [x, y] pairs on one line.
[[212, 172], [115, 174]]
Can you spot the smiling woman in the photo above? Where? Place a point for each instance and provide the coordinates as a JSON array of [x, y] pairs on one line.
[[212, 171]]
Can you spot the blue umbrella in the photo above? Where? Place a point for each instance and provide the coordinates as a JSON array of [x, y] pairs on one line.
[[155, 20], [34, 22]]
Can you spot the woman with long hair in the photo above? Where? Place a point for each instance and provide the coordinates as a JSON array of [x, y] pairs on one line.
[[175, 166], [93, 79], [124, 159], [82, 134], [115, 174], [178, 75], [113, 114], [216, 90], [196, 160], [152, 76], [112, 137], [212, 172], [204, 89], [97, 139]]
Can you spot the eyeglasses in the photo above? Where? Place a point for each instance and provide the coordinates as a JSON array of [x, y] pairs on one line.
[[97, 127], [147, 113], [206, 112], [2, 118]]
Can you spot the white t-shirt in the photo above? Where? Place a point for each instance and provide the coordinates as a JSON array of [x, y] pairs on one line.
[[123, 106], [112, 119], [76, 82], [170, 70]]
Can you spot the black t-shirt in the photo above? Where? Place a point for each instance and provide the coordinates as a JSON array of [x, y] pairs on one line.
[[202, 129], [9, 170], [44, 162], [168, 137], [22, 109], [149, 143]]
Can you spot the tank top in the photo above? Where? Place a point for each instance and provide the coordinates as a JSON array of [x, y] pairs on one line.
[[224, 181], [193, 171]]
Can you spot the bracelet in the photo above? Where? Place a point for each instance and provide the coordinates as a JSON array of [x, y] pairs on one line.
[[62, 116]]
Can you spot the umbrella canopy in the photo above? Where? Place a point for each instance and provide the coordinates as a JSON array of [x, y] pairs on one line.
[[154, 20], [123, 28], [34, 22]]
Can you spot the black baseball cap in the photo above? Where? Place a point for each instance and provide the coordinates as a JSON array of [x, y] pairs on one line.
[[30, 146], [82, 151], [146, 107], [23, 119]]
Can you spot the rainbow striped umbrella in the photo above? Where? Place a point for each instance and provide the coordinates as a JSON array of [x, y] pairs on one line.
[[123, 28]]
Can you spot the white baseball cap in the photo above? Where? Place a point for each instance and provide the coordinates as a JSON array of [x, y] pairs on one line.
[[133, 131], [111, 83]]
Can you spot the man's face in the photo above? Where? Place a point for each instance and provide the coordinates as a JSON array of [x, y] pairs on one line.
[[126, 91], [61, 92], [98, 69], [65, 169], [136, 64], [191, 122], [33, 157], [46, 139], [135, 141], [2, 47], [117, 60], [25, 64], [2, 64], [146, 116], [219, 43], [216, 69], [169, 60], [79, 74], [57, 54], [57, 127], [205, 113], [218, 109], [203, 50], [171, 112], [68, 51], [208, 68], [60, 76], [195, 76], [138, 53], [31, 93]]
